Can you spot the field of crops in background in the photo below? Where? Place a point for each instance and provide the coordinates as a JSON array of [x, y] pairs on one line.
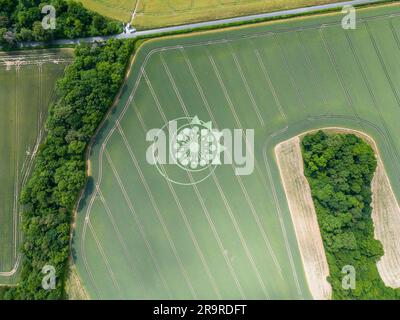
[[139, 236], [27, 89]]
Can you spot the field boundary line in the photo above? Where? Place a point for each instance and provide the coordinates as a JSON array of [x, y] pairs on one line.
[[382, 62], [247, 87], [184, 217], [126, 254], [339, 75], [149, 54], [207, 106], [257, 167], [100, 171], [157, 210], [216, 181], [205, 211], [282, 224], [233, 112], [28, 162], [194, 239], [87, 219], [105, 260], [271, 86], [16, 182], [389, 79], [375, 102], [293, 81], [139, 225], [289, 160]]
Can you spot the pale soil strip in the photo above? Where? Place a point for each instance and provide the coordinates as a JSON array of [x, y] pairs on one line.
[[282, 223], [135, 11], [385, 214], [388, 266], [15, 63], [298, 194], [74, 287], [222, 194], [386, 217], [265, 159], [289, 251]]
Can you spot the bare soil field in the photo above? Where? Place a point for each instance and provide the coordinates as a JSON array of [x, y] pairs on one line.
[[168, 241], [298, 193], [386, 217], [385, 214]]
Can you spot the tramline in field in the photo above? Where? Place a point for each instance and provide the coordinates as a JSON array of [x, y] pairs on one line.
[[141, 236], [146, 14], [26, 92]]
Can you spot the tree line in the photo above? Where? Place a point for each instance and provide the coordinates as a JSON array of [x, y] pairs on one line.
[[21, 20], [86, 92], [339, 169]]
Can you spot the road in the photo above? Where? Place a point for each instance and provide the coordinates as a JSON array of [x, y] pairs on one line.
[[191, 26]]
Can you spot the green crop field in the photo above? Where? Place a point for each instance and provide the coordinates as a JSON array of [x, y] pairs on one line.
[[139, 236], [161, 13], [27, 88]]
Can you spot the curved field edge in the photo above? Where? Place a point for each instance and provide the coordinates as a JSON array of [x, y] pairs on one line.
[[346, 226], [26, 112], [304, 217], [72, 269], [385, 214], [295, 126], [58, 175]]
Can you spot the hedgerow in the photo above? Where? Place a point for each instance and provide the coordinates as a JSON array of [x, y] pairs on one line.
[[86, 92], [21, 20]]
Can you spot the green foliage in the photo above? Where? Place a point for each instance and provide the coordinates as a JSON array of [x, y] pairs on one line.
[[339, 169], [87, 91], [21, 20]]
